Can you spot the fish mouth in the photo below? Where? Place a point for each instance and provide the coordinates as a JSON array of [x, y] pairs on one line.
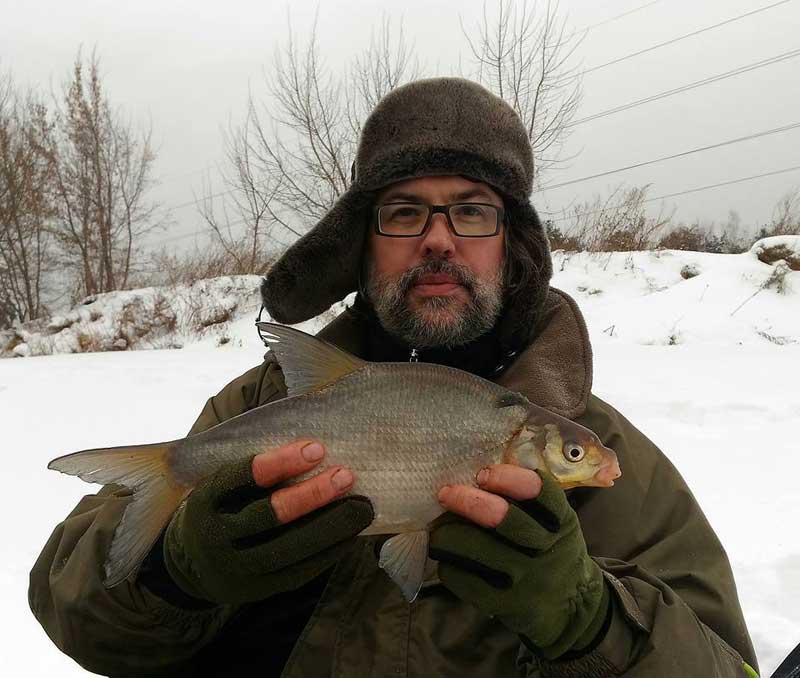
[[609, 471]]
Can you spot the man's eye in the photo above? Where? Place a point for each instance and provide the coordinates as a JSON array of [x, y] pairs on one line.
[[471, 211], [406, 212]]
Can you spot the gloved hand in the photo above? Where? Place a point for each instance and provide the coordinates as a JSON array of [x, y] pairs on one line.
[[233, 541], [532, 572]]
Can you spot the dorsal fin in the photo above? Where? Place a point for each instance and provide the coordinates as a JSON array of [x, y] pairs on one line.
[[308, 363]]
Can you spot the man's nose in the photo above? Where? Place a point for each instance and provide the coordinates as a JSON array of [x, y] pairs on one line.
[[439, 239]]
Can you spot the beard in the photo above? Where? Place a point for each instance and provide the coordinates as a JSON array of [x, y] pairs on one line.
[[437, 321]]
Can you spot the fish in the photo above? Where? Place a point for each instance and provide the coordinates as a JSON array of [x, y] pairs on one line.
[[406, 430]]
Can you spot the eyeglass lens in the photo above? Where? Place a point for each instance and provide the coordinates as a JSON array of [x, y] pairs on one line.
[[409, 219]]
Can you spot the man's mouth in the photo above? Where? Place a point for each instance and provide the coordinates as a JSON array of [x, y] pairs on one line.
[[436, 284]]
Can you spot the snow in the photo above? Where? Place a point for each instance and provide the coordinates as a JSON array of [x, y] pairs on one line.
[[707, 366], [147, 318]]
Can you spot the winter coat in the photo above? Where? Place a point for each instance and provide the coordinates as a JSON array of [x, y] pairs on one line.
[[676, 610]]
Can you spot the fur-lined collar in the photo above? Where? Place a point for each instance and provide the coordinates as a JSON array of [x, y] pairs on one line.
[[554, 371]]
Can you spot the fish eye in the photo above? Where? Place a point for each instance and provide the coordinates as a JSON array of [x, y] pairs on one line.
[[574, 452]]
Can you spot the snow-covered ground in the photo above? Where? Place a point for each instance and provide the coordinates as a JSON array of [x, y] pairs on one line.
[[706, 363]]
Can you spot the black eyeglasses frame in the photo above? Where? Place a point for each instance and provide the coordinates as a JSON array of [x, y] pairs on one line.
[[439, 209]]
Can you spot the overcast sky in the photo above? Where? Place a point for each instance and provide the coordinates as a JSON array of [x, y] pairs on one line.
[[187, 67]]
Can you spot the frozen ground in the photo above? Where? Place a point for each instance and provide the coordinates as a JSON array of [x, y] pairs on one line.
[[717, 392]]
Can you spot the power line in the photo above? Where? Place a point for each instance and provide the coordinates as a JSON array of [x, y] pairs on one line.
[[580, 214], [206, 231], [565, 183], [724, 183], [194, 202], [720, 144], [183, 236], [682, 37], [618, 109], [182, 175], [694, 85], [685, 192], [618, 16]]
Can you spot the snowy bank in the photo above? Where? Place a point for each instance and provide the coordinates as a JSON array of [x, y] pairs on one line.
[[664, 297], [151, 317]]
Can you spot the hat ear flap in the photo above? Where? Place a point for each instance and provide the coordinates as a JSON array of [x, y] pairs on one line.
[[322, 267]]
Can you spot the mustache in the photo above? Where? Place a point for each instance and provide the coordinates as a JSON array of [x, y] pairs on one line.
[[460, 273]]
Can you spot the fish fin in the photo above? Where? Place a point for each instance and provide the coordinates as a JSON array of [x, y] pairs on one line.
[[403, 558], [156, 496], [308, 363]]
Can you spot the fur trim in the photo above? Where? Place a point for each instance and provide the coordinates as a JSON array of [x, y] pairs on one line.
[[440, 126], [322, 267]]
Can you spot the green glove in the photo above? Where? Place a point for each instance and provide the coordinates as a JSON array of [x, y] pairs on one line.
[[225, 545], [532, 572]]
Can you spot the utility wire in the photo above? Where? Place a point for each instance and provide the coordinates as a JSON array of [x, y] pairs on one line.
[[618, 109], [181, 175], [681, 37], [206, 231], [618, 16], [724, 183], [581, 214], [685, 192], [565, 183], [756, 135], [694, 85]]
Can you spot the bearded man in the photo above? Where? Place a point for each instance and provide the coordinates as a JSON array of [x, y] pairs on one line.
[[439, 238]]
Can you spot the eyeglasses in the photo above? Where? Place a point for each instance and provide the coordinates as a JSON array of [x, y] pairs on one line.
[[412, 219]]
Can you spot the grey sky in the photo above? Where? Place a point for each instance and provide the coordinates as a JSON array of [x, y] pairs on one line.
[[187, 67]]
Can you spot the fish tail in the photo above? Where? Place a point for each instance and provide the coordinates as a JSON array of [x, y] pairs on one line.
[[156, 496]]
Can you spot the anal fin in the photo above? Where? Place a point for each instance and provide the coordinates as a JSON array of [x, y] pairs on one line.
[[403, 558]]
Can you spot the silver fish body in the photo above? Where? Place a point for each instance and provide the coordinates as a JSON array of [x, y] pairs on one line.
[[404, 429]]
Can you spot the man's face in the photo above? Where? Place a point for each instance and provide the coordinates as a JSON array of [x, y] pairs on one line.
[[437, 289]]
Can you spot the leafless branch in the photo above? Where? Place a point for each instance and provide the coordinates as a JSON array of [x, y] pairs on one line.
[[616, 222], [523, 54], [102, 169], [26, 252], [291, 157]]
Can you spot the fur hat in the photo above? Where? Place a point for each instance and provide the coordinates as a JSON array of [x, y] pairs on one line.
[[439, 126]]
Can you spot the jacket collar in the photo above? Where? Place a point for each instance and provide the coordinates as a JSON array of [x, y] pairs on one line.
[[554, 370]]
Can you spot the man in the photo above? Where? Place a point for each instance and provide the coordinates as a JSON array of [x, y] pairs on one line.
[[439, 237]]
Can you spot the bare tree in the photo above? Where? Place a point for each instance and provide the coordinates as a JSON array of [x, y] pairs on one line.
[[244, 220], [618, 222], [292, 158], [386, 64], [25, 205], [786, 215], [103, 171], [523, 55]]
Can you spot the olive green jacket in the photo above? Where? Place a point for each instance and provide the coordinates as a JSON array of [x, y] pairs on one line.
[[675, 606]]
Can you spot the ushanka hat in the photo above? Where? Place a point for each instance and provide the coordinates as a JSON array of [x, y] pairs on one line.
[[438, 126]]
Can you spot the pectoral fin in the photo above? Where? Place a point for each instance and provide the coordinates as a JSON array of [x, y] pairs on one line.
[[403, 558]]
